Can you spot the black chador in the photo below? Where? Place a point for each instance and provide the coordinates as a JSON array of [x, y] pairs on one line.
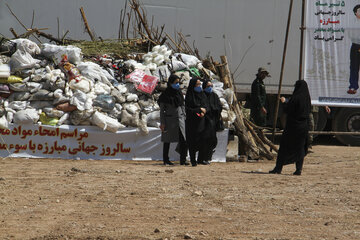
[[294, 140], [195, 124], [212, 117]]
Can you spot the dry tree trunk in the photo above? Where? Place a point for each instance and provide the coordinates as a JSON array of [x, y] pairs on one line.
[[86, 24]]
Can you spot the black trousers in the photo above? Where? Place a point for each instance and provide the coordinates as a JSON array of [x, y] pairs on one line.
[[354, 66], [203, 155], [182, 149]]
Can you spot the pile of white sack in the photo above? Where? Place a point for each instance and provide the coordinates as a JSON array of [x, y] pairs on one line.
[[38, 87]]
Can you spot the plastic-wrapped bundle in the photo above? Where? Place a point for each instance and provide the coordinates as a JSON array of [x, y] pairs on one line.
[[4, 71], [27, 116], [105, 102], [25, 87], [94, 72], [42, 95], [81, 117], [105, 122], [153, 119], [129, 119], [22, 60], [26, 45], [54, 51]]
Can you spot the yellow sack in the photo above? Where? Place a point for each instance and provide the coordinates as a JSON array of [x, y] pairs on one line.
[[48, 120], [11, 79]]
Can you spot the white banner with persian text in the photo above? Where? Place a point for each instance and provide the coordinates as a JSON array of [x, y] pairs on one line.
[[332, 52], [89, 142]]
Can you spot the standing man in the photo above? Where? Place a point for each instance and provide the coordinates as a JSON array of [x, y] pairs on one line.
[[355, 53], [258, 98]]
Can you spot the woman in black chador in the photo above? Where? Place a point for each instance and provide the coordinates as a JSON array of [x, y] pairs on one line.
[[212, 117], [172, 119], [294, 140], [196, 108]]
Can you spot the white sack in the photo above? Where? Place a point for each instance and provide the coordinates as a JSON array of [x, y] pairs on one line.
[[22, 60], [27, 116], [105, 122], [4, 124], [54, 51], [189, 60], [83, 85], [27, 46], [94, 72]]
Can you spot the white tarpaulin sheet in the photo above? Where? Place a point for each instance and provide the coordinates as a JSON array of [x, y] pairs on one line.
[[89, 142], [332, 39]]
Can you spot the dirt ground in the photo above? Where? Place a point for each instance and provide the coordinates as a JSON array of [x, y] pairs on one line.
[[72, 199]]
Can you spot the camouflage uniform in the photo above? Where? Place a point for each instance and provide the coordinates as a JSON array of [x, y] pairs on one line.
[[313, 119], [258, 100]]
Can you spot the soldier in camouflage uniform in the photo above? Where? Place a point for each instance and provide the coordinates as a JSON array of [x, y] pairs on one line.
[[313, 119], [258, 98]]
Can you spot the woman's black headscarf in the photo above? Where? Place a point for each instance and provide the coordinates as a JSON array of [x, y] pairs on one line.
[[299, 105], [213, 99], [194, 99], [171, 95]]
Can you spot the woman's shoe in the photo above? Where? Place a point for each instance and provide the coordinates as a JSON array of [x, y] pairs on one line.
[[203, 162], [275, 171], [167, 162], [184, 163], [297, 172]]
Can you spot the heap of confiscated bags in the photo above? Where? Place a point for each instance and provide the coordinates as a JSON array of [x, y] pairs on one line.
[[53, 85]]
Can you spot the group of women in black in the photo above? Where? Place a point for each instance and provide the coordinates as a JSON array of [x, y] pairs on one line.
[[192, 122]]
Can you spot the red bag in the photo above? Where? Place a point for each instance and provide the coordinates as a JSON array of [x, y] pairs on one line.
[[148, 84], [143, 83], [136, 76]]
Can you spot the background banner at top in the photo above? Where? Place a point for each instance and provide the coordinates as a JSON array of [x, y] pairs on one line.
[[332, 45]]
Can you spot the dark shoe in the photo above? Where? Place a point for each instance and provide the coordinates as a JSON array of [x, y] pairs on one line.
[[351, 91], [275, 171], [167, 162], [297, 172], [203, 163], [194, 164], [184, 163]]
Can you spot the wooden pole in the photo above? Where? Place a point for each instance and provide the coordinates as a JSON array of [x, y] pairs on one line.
[[136, 6], [86, 24], [282, 70], [227, 75]]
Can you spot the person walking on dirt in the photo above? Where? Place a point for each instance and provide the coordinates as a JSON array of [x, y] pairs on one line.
[[258, 98], [172, 119], [294, 140]]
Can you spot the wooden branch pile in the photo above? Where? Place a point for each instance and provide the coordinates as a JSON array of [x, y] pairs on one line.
[[251, 137]]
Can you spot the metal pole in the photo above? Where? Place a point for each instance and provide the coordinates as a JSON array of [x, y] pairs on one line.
[[322, 133], [302, 28], [282, 70]]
